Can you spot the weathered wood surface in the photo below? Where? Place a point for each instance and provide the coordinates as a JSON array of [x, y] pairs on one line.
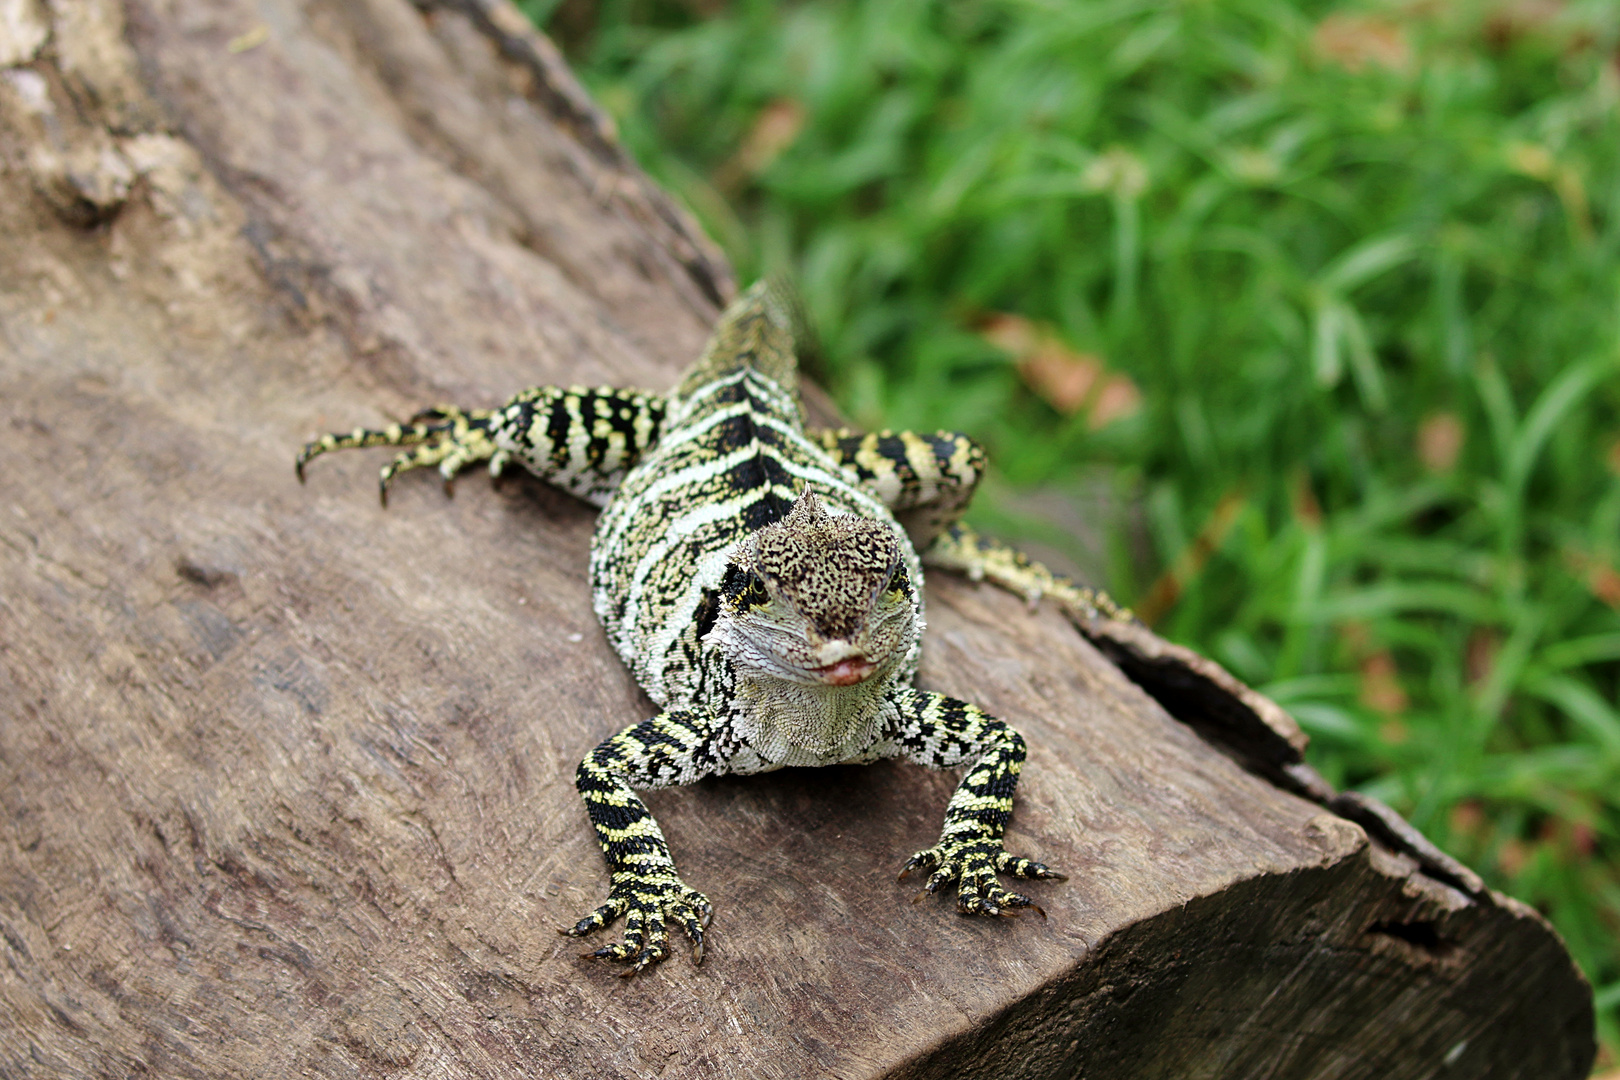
[[286, 777]]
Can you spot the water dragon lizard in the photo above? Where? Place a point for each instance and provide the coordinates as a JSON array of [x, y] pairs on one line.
[[763, 583]]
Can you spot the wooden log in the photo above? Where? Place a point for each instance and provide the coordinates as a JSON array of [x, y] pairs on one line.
[[286, 777]]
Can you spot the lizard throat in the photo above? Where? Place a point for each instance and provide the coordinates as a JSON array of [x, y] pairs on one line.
[[794, 723]]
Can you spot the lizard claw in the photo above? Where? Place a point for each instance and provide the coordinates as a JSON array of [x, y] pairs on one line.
[[973, 867], [648, 906]]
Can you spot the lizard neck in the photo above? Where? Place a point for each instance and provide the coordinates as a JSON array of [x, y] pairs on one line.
[[791, 723]]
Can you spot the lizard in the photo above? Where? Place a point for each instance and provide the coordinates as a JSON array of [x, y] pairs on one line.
[[764, 584]]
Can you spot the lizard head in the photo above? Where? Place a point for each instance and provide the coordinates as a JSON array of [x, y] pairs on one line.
[[819, 599]]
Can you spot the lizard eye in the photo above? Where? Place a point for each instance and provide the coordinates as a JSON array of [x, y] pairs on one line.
[[899, 581], [744, 588]]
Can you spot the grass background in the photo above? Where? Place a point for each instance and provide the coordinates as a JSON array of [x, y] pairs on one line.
[[1324, 296]]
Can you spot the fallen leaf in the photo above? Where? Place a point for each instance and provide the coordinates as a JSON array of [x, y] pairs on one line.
[[1307, 510], [775, 129], [1117, 399], [1512, 856], [1518, 19], [1479, 657], [1604, 582], [1381, 689], [1439, 441], [1065, 378], [1601, 579], [1062, 378], [1355, 41], [1467, 817], [1010, 333], [1189, 562]]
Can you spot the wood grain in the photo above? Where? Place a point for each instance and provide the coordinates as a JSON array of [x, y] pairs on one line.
[[286, 778]]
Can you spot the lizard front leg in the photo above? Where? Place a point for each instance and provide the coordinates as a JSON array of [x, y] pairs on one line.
[[671, 749], [928, 481], [941, 732], [580, 439]]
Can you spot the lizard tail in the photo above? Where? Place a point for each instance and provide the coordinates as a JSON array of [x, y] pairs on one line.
[[765, 329]]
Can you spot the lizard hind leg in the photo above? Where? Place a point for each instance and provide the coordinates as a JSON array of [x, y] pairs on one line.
[[980, 558]]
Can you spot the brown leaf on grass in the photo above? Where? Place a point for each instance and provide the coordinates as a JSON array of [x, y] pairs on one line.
[[1189, 562], [1118, 398], [1307, 510], [775, 129], [1355, 41], [1067, 379], [1010, 333], [1063, 379], [1575, 836], [1512, 856], [1467, 818], [1604, 582], [1513, 20], [1479, 656], [1602, 579], [1381, 689], [1394, 731], [1439, 440]]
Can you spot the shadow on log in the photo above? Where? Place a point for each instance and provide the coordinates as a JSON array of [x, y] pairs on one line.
[[286, 778]]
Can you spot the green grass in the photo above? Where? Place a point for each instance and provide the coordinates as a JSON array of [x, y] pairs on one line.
[[1360, 261]]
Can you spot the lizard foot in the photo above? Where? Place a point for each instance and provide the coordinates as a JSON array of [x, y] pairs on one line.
[[443, 436], [648, 905], [973, 865]]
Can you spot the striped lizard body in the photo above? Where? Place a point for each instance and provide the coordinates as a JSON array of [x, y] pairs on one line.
[[763, 584]]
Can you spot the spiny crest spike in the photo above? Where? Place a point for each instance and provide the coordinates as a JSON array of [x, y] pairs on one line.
[[807, 508]]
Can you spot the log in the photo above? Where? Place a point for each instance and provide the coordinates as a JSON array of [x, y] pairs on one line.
[[286, 777]]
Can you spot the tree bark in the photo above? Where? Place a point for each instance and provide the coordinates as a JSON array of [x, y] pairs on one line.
[[286, 778]]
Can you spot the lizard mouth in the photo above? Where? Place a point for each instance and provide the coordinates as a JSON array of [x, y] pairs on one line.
[[846, 672]]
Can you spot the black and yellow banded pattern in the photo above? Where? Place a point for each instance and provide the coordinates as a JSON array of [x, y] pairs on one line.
[[671, 748], [684, 480], [580, 439], [943, 732]]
